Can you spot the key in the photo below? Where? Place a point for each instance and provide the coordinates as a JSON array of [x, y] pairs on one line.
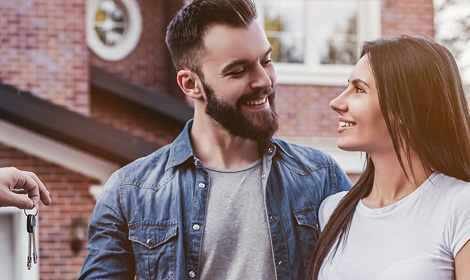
[[35, 252], [29, 229]]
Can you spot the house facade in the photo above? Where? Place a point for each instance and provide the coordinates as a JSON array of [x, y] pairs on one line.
[[88, 86]]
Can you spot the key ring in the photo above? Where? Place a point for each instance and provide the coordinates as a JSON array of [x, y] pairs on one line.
[[37, 210]]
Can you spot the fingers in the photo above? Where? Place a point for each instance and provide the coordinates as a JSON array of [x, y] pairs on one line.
[[19, 182], [8, 198], [43, 192]]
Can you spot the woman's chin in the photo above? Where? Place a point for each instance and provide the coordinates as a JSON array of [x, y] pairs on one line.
[[347, 146]]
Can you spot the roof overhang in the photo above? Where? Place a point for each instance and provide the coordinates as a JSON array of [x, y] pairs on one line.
[[157, 102], [60, 124]]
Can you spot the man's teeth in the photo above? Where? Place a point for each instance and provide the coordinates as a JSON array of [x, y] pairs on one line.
[[347, 124], [257, 102]]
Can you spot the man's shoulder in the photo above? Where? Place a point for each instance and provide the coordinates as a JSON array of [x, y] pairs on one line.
[[304, 153], [155, 161]]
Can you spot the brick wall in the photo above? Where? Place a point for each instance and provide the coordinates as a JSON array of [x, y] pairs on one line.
[[43, 50], [149, 64], [407, 17], [304, 112], [70, 198], [133, 119]]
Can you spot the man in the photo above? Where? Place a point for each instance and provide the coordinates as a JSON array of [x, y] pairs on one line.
[[21, 189], [225, 200]]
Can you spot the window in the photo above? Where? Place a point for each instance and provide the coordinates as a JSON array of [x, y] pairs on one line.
[[318, 42], [113, 27]]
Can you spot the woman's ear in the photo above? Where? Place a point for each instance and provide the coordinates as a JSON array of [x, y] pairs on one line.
[[188, 82]]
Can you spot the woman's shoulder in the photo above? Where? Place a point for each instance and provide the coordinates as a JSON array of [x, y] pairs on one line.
[[451, 188], [328, 206]]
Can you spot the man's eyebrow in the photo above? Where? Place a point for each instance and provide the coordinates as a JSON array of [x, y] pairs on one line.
[[357, 81], [234, 64], [268, 51], [242, 61]]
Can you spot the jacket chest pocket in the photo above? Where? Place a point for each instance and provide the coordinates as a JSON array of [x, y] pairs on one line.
[[307, 232], [154, 250]]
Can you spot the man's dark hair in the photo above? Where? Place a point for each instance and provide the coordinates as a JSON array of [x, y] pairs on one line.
[[185, 33]]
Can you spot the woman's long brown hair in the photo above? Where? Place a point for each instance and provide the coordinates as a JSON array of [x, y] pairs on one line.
[[424, 107]]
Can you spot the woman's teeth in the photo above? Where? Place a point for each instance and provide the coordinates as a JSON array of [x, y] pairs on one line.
[[347, 124], [257, 102]]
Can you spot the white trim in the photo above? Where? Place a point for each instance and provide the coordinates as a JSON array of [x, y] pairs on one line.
[[326, 75], [20, 245], [130, 40], [351, 162], [95, 191], [56, 152]]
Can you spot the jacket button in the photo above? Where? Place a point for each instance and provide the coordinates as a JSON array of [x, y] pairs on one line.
[[196, 227], [281, 263], [270, 149], [202, 185], [305, 264], [192, 274], [150, 242], [273, 218]]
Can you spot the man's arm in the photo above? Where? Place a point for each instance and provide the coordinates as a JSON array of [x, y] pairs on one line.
[[343, 183], [110, 251]]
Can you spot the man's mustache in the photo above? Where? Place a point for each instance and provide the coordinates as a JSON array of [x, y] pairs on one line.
[[256, 95]]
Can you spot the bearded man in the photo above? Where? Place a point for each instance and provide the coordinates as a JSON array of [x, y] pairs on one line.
[[225, 200]]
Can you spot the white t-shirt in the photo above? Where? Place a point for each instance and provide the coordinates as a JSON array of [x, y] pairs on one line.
[[416, 238]]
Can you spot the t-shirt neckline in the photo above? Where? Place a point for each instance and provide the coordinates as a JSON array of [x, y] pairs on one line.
[[395, 207]]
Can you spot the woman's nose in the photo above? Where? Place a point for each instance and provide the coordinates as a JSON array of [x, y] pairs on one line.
[[338, 104]]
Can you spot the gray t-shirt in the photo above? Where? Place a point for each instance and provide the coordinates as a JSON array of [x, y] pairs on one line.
[[236, 243]]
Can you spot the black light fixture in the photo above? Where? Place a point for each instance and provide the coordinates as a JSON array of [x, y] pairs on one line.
[[79, 228]]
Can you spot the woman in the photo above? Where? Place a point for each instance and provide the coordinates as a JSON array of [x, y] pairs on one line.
[[408, 216]]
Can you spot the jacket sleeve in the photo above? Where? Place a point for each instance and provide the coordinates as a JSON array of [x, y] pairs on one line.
[[343, 183], [110, 251]]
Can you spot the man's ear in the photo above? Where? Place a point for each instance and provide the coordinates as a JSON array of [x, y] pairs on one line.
[[189, 83]]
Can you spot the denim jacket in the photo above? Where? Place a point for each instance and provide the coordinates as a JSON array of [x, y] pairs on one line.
[[150, 217]]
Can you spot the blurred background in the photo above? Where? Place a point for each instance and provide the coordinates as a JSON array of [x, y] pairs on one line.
[[87, 86]]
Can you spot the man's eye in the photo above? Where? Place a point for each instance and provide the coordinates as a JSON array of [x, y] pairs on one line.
[[237, 73], [267, 62]]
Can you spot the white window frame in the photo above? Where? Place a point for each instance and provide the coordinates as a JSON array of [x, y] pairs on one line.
[[311, 72], [132, 36]]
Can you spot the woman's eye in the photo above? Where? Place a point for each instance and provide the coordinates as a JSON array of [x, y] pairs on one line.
[[359, 90]]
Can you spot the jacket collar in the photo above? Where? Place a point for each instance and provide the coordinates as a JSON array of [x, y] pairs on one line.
[[181, 149]]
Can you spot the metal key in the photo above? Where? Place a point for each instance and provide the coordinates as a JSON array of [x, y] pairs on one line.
[[35, 251], [31, 229], [30, 220]]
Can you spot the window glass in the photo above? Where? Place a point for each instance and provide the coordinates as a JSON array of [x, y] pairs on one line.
[[110, 22], [332, 26], [284, 23], [336, 31]]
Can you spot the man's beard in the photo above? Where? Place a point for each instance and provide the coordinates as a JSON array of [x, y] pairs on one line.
[[262, 125]]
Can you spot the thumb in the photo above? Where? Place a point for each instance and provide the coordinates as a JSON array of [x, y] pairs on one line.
[[18, 200]]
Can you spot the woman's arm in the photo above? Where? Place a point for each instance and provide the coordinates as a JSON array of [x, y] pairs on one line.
[[462, 263]]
